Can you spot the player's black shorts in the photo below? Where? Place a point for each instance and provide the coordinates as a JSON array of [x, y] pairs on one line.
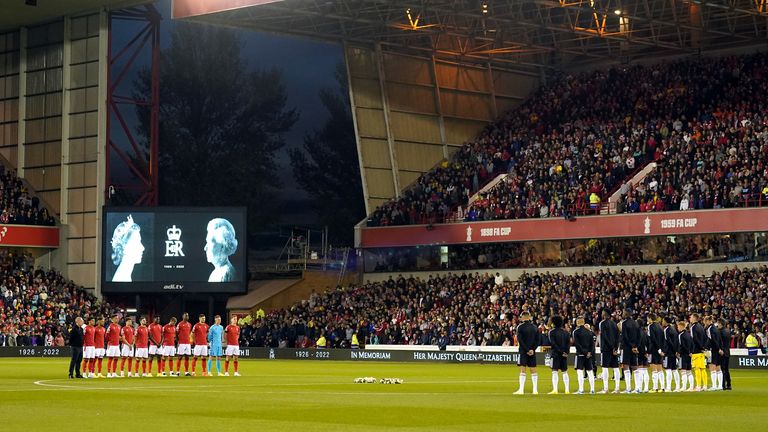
[[559, 362], [685, 362], [628, 357], [670, 362], [585, 363], [526, 360], [716, 359], [655, 358], [609, 360]]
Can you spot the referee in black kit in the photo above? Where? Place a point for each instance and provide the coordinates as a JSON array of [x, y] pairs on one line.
[[76, 343]]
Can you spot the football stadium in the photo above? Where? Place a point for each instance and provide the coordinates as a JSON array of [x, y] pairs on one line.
[[383, 214]]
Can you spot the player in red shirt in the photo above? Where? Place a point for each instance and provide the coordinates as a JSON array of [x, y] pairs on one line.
[[183, 331], [113, 347], [233, 344], [126, 351], [156, 344], [169, 346], [200, 331], [142, 348], [98, 340], [89, 350]]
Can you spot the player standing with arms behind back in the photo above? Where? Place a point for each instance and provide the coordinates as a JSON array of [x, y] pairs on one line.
[[609, 350], [528, 340], [183, 331], [214, 337], [200, 333], [233, 345]]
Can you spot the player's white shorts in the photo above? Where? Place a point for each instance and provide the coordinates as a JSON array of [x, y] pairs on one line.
[[184, 349], [126, 351], [100, 352], [89, 352], [233, 350], [142, 353], [201, 350], [113, 351], [154, 350], [169, 351]]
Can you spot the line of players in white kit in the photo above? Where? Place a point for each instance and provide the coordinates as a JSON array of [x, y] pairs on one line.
[[673, 350]]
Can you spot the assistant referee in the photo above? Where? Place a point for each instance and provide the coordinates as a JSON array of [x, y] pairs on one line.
[[76, 343]]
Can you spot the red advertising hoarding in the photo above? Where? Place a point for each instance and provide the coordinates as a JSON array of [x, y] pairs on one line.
[[190, 8], [629, 225], [29, 236]]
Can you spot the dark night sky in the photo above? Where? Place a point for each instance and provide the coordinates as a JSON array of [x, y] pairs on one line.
[[307, 67]]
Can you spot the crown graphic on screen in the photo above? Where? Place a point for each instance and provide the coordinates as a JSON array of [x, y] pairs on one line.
[[174, 233]]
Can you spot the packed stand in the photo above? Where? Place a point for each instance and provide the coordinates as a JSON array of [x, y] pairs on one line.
[[576, 140], [38, 307], [17, 205], [483, 309]]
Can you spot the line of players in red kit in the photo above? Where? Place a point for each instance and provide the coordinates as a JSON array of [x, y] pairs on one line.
[[158, 342]]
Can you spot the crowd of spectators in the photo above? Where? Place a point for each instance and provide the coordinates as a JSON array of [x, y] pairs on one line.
[[568, 253], [483, 309], [38, 307], [578, 138], [719, 158], [17, 205]]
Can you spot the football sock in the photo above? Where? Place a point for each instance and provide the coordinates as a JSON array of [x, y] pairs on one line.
[[210, 366], [186, 364], [218, 365], [720, 379], [566, 382], [591, 376], [203, 365], [668, 378], [194, 364], [676, 376], [534, 378], [580, 379], [646, 379], [226, 366], [617, 378], [655, 379], [704, 378], [627, 379], [555, 380], [522, 381], [98, 364], [604, 377], [534, 384]]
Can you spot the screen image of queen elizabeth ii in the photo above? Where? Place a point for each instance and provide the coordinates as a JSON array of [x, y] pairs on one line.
[[127, 249], [220, 244]]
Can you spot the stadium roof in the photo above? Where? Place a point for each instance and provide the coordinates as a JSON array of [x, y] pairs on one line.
[[522, 32], [16, 13]]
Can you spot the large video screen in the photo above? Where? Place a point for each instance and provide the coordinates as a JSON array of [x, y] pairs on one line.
[[184, 249]]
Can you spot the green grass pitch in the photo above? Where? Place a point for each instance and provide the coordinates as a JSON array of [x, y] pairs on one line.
[[302, 396]]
